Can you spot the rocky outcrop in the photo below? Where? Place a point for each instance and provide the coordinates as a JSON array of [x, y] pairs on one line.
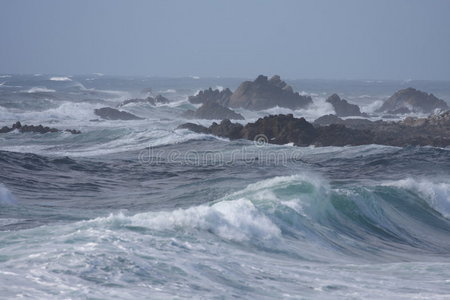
[[36, 129], [149, 100], [343, 108], [221, 97], [109, 113], [411, 100], [264, 93], [283, 129], [212, 111]]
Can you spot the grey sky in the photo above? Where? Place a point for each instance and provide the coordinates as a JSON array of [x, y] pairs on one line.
[[382, 39]]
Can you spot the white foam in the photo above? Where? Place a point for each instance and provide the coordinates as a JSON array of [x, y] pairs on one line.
[[372, 107], [60, 78], [237, 220], [40, 90]]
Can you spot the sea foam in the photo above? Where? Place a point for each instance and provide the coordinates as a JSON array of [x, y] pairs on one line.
[[60, 78]]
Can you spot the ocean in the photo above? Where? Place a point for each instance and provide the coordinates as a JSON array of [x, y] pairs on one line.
[[142, 210]]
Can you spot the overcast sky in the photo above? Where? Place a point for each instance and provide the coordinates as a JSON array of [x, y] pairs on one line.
[[350, 39]]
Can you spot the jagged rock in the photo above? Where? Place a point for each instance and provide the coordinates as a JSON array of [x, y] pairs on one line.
[[343, 108], [210, 95], [109, 113], [213, 111], [282, 129], [149, 100], [411, 100], [263, 93], [226, 129], [36, 129]]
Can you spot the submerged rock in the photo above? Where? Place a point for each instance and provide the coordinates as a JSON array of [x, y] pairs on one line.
[[213, 111], [35, 129], [412, 100], [149, 100], [263, 93], [109, 113], [343, 108], [283, 129]]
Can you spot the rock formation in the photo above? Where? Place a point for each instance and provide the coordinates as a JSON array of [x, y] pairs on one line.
[[210, 95], [212, 111], [283, 129], [411, 100], [149, 100], [263, 93], [36, 129], [343, 108], [109, 113]]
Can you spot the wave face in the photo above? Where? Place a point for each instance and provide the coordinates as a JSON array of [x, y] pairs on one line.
[[283, 236], [139, 209]]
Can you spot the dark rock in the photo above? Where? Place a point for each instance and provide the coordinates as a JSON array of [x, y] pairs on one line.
[[109, 113], [283, 129], [227, 129], [411, 100], [210, 95], [72, 131], [340, 135], [213, 111], [35, 129], [328, 120], [343, 108], [263, 93], [194, 127], [149, 100]]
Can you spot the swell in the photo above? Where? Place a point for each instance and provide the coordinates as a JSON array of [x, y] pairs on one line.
[[306, 217]]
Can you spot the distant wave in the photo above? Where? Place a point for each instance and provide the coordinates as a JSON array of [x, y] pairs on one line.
[[40, 90], [60, 78]]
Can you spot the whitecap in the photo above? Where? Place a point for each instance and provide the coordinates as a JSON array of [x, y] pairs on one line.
[[60, 78], [38, 89]]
